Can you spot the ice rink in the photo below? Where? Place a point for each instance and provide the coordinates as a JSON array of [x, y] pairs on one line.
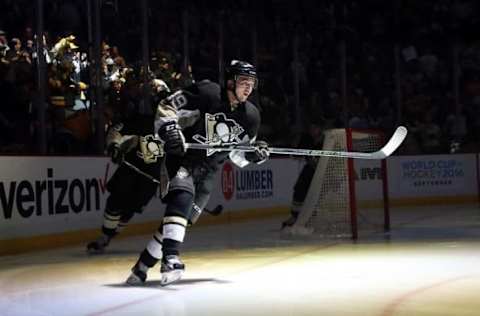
[[428, 265]]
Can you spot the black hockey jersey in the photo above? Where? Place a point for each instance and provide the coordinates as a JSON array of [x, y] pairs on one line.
[[206, 116], [148, 152]]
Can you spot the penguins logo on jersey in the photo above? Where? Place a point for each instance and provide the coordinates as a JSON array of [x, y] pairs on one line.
[[150, 148], [219, 131]]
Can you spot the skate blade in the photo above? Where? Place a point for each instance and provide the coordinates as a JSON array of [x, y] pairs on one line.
[[170, 277], [134, 280]]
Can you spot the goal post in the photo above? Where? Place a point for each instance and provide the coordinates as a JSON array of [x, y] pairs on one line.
[[347, 195]]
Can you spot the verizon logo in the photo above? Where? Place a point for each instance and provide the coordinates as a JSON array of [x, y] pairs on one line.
[[60, 196]]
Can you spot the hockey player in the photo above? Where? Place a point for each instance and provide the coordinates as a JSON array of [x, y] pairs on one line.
[[131, 138], [313, 138], [211, 115]]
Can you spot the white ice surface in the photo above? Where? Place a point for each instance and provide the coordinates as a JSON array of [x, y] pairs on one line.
[[428, 265]]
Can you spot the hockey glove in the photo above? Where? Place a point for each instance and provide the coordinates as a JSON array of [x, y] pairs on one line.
[[172, 135], [261, 153], [116, 153]]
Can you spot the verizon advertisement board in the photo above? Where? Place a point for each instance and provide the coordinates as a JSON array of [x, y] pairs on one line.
[[45, 195]]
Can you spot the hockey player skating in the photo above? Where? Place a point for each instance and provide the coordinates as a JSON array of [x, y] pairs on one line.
[[208, 114], [131, 138]]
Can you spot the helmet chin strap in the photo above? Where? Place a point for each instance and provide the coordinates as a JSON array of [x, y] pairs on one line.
[[234, 90], [236, 96]]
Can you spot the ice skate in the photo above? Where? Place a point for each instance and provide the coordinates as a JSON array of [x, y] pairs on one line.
[[172, 269], [98, 245], [290, 221], [296, 230], [138, 275]]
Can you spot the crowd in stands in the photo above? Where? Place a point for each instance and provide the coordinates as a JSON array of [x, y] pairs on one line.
[[441, 116]]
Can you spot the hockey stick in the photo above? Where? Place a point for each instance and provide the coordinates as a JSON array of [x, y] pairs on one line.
[[217, 210], [392, 145], [126, 163]]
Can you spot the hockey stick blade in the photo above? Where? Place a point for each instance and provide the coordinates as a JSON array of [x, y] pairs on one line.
[[395, 141], [215, 211]]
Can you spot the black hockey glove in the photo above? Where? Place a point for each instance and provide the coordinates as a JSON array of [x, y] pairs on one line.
[[173, 137], [261, 153], [116, 153]]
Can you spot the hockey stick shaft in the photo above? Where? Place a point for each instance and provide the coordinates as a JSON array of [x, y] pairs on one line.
[[126, 163], [394, 142]]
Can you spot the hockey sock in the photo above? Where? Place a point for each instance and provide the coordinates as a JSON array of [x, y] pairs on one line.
[[146, 259], [110, 223], [154, 246], [173, 234], [142, 267], [296, 208], [171, 247], [123, 222]]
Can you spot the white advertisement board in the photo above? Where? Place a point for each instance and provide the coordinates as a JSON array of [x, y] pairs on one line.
[[432, 176], [46, 195], [40, 195], [256, 186], [368, 180]]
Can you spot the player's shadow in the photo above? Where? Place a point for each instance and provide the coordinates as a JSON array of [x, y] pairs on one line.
[[157, 283]]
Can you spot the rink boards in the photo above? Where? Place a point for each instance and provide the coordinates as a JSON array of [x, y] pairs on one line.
[[54, 201]]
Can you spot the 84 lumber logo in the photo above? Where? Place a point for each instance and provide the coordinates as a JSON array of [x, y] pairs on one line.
[[246, 184]]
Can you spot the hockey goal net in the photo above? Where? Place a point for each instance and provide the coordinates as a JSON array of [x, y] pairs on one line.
[[346, 195]]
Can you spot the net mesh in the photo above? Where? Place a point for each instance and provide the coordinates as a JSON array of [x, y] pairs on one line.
[[327, 208]]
